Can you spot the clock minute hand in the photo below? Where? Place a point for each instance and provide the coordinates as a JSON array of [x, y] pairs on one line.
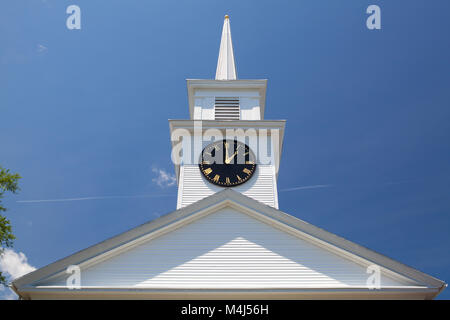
[[226, 152]]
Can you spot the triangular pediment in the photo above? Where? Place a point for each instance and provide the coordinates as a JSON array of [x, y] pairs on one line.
[[226, 249], [227, 242]]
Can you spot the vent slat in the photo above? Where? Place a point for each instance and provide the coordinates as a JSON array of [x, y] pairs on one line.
[[227, 108]]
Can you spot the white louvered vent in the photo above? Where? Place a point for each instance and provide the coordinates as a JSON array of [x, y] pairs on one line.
[[226, 109]]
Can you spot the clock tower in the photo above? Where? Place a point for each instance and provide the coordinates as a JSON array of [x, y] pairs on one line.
[[226, 143]]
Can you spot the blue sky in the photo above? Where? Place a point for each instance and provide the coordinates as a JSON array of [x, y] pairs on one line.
[[83, 114]]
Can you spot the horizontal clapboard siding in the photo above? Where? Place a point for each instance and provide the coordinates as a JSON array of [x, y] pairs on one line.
[[260, 187], [226, 249]]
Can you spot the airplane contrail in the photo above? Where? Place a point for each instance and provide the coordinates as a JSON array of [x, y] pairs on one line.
[[317, 186], [97, 198], [152, 195]]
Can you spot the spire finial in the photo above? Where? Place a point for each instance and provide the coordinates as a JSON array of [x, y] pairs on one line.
[[226, 69]]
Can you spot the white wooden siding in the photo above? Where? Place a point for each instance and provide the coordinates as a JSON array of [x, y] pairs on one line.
[[249, 103], [226, 249], [193, 186]]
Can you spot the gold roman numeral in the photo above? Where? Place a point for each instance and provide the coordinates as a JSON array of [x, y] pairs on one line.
[[216, 178], [245, 170], [239, 178], [207, 171], [227, 180]]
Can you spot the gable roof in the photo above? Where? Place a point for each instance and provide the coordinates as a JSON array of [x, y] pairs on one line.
[[227, 197]]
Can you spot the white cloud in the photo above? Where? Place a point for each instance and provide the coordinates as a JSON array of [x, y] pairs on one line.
[[14, 265], [163, 178]]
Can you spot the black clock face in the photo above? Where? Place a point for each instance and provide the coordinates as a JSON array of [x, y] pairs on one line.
[[227, 163]]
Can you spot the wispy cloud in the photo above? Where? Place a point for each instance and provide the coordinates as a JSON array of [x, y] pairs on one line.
[[13, 265], [316, 186], [163, 179], [97, 198], [41, 48]]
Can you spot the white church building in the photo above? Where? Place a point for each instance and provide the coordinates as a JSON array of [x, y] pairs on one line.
[[227, 239]]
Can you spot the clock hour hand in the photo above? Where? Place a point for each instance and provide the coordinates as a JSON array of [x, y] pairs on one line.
[[228, 159]]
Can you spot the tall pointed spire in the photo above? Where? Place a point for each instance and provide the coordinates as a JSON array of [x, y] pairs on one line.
[[226, 69]]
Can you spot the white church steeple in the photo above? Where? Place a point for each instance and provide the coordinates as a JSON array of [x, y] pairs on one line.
[[234, 110], [226, 68]]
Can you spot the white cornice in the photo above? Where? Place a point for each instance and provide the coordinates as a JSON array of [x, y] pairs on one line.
[[195, 84], [350, 293], [229, 124]]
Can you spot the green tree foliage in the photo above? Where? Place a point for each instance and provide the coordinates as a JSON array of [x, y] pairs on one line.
[[8, 182]]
